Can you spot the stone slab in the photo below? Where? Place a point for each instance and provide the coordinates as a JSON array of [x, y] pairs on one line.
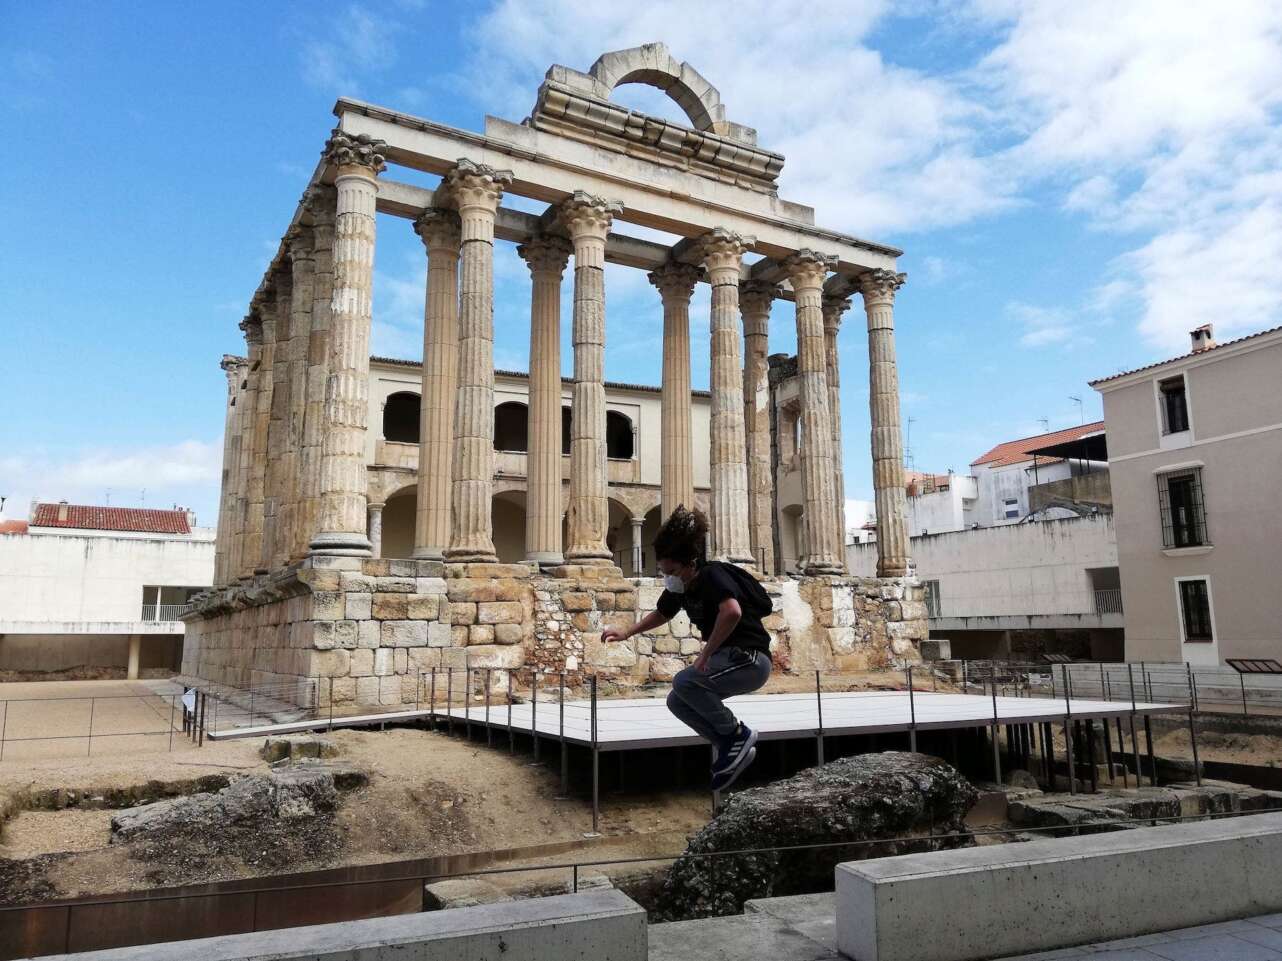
[[743, 937], [601, 925], [1045, 895]]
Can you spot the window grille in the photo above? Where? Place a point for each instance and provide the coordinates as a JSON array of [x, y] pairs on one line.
[[1175, 410], [1195, 608], [932, 598], [1183, 509]]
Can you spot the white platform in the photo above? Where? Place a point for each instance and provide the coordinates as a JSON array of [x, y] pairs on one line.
[[631, 724]]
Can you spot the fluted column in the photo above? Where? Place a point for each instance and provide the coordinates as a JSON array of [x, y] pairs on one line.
[[376, 529], [755, 298], [439, 231], [878, 287], [546, 257], [722, 253], [588, 219], [833, 308], [274, 485], [476, 190], [675, 282], [343, 491], [252, 560], [239, 562], [320, 204], [299, 242], [806, 271], [227, 494]]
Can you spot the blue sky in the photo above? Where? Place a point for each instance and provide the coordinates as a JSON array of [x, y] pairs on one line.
[[1075, 186]]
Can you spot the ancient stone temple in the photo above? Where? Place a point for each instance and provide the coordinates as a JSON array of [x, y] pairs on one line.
[[381, 518]]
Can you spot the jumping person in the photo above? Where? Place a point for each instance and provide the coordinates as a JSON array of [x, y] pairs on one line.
[[727, 604]]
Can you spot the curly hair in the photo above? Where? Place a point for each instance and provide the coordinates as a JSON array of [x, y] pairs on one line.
[[683, 537]]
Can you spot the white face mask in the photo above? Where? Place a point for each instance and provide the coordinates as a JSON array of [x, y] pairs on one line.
[[674, 584]]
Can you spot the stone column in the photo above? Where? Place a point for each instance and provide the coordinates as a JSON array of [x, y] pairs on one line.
[[676, 285], [806, 270], [302, 266], [227, 495], [546, 257], [588, 219], [878, 287], [755, 299], [135, 654], [439, 231], [240, 562], [833, 308], [252, 563], [320, 203], [274, 485], [722, 255], [341, 521], [476, 190], [376, 529], [636, 545]]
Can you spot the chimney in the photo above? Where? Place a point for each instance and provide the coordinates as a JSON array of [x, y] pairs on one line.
[[1203, 338], [191, 518], [62, 512]]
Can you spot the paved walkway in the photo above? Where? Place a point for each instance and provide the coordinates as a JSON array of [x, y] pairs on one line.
[[802, 929]]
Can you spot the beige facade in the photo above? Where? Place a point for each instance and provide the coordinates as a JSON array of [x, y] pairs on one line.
[[342, 495], [1195, 450]]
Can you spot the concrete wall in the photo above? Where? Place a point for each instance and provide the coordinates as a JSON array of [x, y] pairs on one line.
[[58, 652], [1024, 569], [996, 484], [946, 510], [91, 577], [1235, 412], [1094, 489]]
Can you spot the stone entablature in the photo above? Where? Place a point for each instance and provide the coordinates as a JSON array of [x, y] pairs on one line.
[[369, 630]]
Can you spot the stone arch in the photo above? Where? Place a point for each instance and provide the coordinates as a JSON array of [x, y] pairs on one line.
[[399, 513], [652, 64]]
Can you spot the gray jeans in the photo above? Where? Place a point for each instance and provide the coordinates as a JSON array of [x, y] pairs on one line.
[[696, 698]]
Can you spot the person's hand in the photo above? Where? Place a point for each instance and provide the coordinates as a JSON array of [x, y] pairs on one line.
[[701, 664], [610, 634]]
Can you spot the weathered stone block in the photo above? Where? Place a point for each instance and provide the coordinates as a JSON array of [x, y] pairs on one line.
[[327, 606], [667, 645], [367, 690], [429, 585], [493, 656], [597, 654], [480, 634], [625, 601], [439, 634], [396, 585], [509, 633], [462, 612], [576, 601], [391, 607], [360, 583], [320, 580], [604, 601], [389, 690], [690, 646], [424, 606], [330, 663], [405, 633], [500, 612], [358, 607], [585, 621], [666, 668], [474, 591], [369, 634], [327, 635], [362, 663], [458, 635], [384, 662]]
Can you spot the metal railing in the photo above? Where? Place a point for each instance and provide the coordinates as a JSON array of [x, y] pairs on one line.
[[1108, 601], [165, 612], [64, 721]]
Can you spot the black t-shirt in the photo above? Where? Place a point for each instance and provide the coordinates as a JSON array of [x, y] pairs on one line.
[[702, 599]]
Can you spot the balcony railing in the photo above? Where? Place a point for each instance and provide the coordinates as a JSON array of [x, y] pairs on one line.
[[1108, 601], [164, 612]]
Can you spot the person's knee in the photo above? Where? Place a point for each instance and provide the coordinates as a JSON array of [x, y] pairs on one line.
[[686, 680], [674, 701]]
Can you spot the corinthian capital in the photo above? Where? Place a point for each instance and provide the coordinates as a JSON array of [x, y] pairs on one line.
[[438, 229], [723, 249], [252, 326], [833, 308], [676, 280], [806, 269], [344, 150], [546, 254], [756, 296], [585, 215], [476, 185], [879, 285]]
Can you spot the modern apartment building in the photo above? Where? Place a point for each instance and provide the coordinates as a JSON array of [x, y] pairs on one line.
[[1195, 449]]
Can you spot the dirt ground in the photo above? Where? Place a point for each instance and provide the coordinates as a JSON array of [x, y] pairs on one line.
[[1259, 749]]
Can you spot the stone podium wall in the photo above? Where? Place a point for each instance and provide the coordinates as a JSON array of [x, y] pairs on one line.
[[369, 629]]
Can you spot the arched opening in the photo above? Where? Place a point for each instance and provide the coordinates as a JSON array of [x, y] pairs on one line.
[[618, 536], [649, 529], [507, 515], [400, 417], [618, 435], [512, 427], [398, 523], [567, 420]]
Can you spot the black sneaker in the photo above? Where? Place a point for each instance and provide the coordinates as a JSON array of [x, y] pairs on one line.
[[734, 757]]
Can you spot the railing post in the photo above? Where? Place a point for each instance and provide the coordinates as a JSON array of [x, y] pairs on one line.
[[534, 713], [997, 759], [819, 704], [912, 714], [511, 737], [89, 748], [596, 803], [1068, 732], [1197, 765], [449, 701], [173, 700], [489, 731], [565, 748], [1242, 680], [431, 708], [1135, 742]]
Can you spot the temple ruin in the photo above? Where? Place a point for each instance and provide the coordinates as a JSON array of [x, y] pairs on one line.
[[309, 585]]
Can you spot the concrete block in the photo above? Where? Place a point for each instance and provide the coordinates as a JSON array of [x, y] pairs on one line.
[[936, 650], [1043, 895]]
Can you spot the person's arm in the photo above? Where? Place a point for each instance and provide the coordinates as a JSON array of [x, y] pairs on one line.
[[648, 623], [729, 614]]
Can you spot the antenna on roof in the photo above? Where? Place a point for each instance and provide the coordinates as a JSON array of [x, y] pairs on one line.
[[108, 497], [142, 498], [1046, 425], [909, 459], [1081, 409]]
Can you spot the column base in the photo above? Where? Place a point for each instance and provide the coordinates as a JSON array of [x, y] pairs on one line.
[[588, 556], [892, 572], [428, 554], [340, 544], [471, 557], [546, 558], [815, 570]]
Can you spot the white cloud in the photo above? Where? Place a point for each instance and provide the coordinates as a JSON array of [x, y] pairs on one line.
[[1043, 326], [187, 473], [356, 41]]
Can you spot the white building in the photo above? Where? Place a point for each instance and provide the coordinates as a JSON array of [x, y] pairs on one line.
[[99, 586]]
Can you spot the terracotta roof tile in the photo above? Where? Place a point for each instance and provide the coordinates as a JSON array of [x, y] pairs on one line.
[[1016, 451], [141, 519], [1170, 360], [13, 527]]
